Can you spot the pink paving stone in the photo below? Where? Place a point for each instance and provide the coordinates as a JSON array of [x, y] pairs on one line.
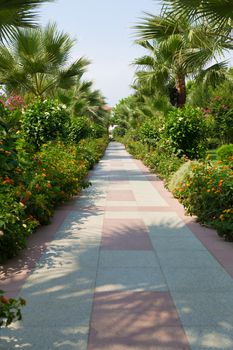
[[125, 234], [125, 195], [121, 208], [135, 320], [113, 183]]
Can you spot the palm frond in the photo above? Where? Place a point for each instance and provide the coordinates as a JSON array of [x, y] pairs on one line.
[[213, 75], [218, 12], [17, 13]]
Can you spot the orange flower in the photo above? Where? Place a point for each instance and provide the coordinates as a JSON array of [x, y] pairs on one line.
[[49, 185], [37, 187], [26, 197], [8, 181], [221, 217]]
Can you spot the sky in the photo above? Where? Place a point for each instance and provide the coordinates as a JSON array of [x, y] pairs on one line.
[[104, 34], [103, 29]]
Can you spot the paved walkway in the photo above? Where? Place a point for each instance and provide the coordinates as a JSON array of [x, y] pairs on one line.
[[125, 270]]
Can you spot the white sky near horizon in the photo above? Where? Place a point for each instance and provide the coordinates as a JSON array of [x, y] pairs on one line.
[[104, 34]]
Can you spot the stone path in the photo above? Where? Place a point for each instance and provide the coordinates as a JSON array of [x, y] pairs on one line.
[[123, 269]]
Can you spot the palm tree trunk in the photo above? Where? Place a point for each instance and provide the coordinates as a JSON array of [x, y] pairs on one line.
[[181, 90]]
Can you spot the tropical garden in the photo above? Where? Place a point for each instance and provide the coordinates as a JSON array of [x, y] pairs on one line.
[[53, 128], [179, 119], [53, 124]]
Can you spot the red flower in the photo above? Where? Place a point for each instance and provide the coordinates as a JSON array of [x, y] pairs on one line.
[[8, 181], [4, 300]]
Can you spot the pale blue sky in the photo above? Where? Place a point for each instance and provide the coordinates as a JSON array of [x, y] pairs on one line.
[[104, 32], [102, 28]]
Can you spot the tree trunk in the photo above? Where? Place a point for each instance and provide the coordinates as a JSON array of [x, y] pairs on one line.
[[181, 90]]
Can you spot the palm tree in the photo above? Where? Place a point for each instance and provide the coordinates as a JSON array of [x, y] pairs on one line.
[[218, 12], [15, 14], [36, 63], [84, 100], [154, 75], [179, 48]]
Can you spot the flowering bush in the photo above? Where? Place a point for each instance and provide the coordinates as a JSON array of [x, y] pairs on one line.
[[225, 154], [12, 102], [208, 194], [90, 151], [34, 185], [44, 121], [136, 148], [160, 160], [10, 309], [163, 162], [184, 171]]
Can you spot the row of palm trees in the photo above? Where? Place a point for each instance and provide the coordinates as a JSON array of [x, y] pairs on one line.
[[35, 61], [186, 40]]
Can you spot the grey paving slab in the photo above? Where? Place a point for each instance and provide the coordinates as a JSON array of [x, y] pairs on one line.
[[77, 239], [198, 279], [130, 279], [218, 337], [44, 338], [172, 242], [186, 258], [168, 229], [204, 309], [67, 309], [58, 281], [127, 258], [70, 256]]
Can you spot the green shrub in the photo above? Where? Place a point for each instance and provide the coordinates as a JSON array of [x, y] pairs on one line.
[[186, 131], [224, 225], [221, 109], [45, 121], [208, 194], [15, 225], [136, 148], [79, 129], [148, 132], [97, 131], [90, 151], [225, 154], [163, 162], [160, 160], [119, 131], [184, 172]]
